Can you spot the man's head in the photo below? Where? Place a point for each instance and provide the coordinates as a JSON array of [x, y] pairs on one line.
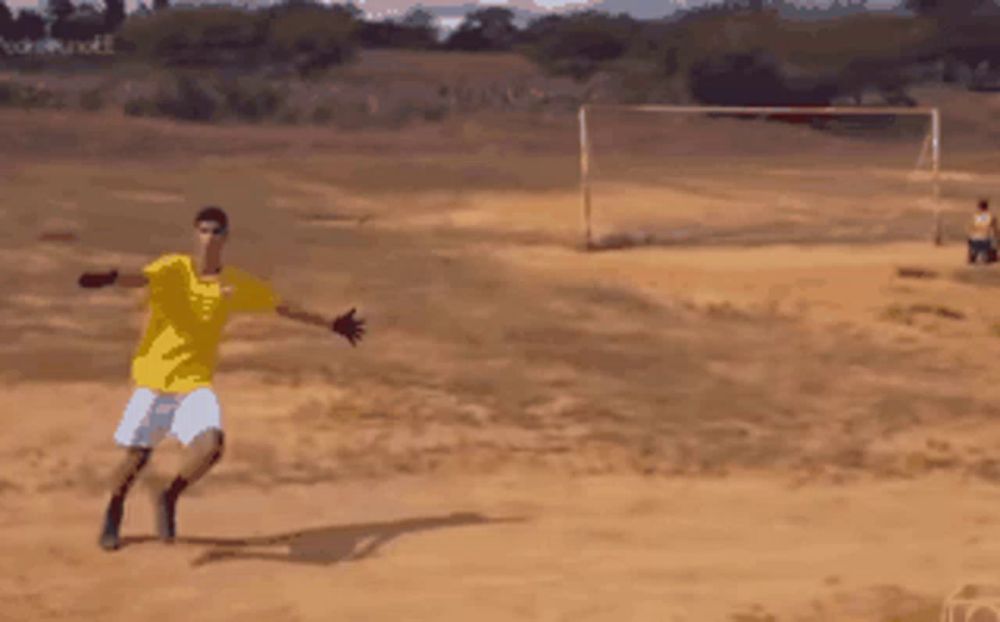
[[211, 228], [983, 205]]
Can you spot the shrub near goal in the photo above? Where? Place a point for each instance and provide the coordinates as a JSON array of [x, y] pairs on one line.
[[758, 175]]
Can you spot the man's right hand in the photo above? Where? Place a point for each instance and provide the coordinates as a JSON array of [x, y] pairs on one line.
[[94, 280]]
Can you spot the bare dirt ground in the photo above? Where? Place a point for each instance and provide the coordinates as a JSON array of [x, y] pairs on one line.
[[726, 431]]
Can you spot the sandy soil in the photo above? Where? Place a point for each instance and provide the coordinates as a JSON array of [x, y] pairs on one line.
[[728, 431]]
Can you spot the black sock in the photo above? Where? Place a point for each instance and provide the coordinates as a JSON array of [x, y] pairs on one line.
[[176, 487], [116, 503], [116, 509]]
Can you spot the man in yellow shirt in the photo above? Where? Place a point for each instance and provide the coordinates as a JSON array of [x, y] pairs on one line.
[[983, 234], [190, 300]]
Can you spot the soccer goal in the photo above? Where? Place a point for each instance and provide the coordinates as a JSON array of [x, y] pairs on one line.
[[758, 175]]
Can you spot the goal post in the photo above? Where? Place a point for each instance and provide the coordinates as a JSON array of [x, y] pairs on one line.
[[931, 145]]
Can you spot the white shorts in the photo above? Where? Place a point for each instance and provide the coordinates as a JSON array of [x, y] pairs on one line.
[[149, 416]]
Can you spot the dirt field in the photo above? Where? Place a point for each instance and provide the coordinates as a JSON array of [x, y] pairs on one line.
[[730, 431]]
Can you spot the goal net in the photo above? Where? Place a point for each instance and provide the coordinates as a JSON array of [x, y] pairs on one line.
[[720, 175]]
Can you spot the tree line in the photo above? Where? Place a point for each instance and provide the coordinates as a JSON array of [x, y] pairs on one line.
[[488, 29], [65, 20], [732, 52]]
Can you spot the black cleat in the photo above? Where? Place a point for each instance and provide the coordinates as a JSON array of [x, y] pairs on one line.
[[109, 540], [166, 517]]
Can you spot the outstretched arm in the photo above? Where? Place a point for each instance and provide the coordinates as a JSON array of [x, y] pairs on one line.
[[346, 325], [294, 312], [95, 280]]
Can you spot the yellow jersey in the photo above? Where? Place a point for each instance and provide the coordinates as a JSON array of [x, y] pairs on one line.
[[179, 349], [983, 226]]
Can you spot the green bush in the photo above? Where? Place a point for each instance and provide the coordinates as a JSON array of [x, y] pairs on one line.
[[13, 93], [973, 41], [138, 107], [322, 114], [307, 37], [739, 79], [8, 93], [720, 51], [250, 99], [289, 116], [188, 96], [580, 44], [310, 37], [762, 59], [195, 36], [435, 112], [92, 99]]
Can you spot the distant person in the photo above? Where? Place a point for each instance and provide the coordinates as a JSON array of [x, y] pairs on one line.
[[983, 234], [190, 300]]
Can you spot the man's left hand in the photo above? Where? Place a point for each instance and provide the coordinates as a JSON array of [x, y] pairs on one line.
[[352, 329]]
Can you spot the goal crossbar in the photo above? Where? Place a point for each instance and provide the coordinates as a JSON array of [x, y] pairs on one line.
[[804, 110], [934, 139]]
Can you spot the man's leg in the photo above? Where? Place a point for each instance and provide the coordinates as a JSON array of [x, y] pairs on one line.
[[202, 454], [197, 424], [137, 433], [122, 479]]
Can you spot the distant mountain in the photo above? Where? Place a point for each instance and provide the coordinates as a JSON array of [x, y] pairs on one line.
[[450, 17], [645, 9], [527, 10], [656, 9]]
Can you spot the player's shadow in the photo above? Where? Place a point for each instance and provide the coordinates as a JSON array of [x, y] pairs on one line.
[[323, 545]]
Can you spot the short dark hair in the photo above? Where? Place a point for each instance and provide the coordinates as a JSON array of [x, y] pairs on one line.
[[213, 214], [984, 204]]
